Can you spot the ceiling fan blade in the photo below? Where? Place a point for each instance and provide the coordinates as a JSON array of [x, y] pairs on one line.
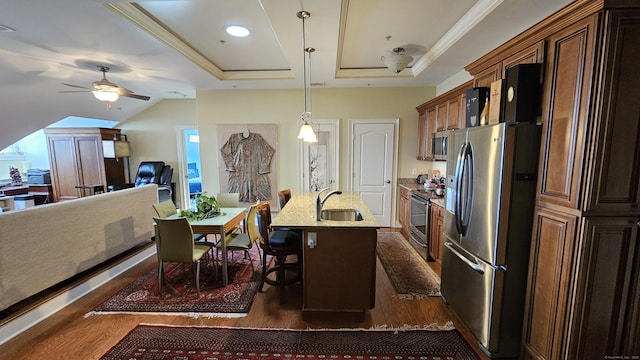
[[74, 91], [77, 86], [136, 96]]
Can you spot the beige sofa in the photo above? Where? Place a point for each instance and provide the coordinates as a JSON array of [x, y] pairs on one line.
[[44, 245]]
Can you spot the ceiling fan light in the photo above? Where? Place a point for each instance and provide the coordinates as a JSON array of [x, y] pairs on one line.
[[397, 62], [109, 96]]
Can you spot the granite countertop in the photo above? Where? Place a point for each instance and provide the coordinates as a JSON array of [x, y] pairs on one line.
[[412, 185], [300, 212]]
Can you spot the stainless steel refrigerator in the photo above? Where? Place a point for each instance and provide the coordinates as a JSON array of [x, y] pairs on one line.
[[491, 181]]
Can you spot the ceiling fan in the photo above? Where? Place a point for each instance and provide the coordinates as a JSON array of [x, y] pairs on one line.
[[105, 90]]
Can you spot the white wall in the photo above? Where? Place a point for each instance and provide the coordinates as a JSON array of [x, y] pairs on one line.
[[283, 107], [152, 134]]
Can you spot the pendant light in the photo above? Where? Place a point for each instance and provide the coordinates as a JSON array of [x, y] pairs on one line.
[[306, 133]]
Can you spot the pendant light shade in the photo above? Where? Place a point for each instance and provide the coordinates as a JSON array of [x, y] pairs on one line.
[[306, 133]]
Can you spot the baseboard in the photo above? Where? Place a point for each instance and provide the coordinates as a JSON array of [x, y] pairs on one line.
[[30, 318]]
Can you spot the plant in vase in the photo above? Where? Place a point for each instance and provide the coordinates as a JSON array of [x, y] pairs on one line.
[[205, 207]]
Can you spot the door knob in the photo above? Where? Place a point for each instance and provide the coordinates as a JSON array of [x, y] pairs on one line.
[[388, 181]]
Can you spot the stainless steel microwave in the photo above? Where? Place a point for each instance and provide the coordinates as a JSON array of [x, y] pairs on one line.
[[439, 145]]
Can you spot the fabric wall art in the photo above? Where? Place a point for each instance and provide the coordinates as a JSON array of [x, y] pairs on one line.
[[247, 161]]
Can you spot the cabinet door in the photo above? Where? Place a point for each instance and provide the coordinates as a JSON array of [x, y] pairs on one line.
[[423, 136], [64, 168], [90, 160], [454, 119], [615, 184], [432, 115], [443, 113], [551, 267], [486, 77], [405, 208], [336, 254], [531, 55], [566, 98], [436, 232], [606, 320]]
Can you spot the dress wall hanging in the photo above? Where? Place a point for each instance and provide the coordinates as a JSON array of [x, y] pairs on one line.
[[247, 158]]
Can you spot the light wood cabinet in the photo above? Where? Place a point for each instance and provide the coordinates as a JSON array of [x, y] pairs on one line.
[[436, 232], [424, 144], [76, 158], [405, 210]]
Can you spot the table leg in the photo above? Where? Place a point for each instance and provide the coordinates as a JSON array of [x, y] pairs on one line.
[[223, 238]]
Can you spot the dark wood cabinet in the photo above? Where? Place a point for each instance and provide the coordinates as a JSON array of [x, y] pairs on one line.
[[550, 272], [340, 270], [76, 158], [607, 302], [566, 94], [583, 296], [445, 112], [613, 185]]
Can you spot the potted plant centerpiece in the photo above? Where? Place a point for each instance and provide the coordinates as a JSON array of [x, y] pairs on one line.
[[205, 207]]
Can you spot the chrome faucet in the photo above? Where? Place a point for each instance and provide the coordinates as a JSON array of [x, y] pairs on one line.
[[320, 203]]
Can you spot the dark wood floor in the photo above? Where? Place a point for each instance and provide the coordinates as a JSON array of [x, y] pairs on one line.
[[69, 335]]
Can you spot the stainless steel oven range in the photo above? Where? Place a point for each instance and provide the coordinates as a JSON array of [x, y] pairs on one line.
[[419, 223]]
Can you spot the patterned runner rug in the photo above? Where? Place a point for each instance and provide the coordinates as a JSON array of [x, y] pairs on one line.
[[179, 296], [200, 343], [409, 273]]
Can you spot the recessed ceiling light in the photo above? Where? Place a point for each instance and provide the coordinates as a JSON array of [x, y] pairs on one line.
[[237, 31]]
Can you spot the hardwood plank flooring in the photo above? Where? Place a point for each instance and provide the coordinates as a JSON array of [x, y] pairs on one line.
[[69, 335]]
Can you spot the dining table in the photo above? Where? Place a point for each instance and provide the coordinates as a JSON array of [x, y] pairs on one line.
[[222, 224]]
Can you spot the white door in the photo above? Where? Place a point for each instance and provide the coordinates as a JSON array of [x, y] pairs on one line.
[[373, 159], [320, 160]]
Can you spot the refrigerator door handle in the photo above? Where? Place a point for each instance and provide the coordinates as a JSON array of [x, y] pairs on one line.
[[474, 267], [457, 208], [468, 195]]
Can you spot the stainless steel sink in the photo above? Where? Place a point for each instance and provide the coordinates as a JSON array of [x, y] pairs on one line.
[[341, 215]]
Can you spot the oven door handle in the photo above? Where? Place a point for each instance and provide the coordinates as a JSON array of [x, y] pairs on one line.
[[420, 200], [416, 241]]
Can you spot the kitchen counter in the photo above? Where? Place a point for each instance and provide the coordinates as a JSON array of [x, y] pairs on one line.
[[300, 212], [332, 249], [435, 199]]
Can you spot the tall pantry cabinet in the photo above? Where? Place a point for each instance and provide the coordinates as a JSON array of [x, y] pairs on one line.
[[583, 288], [76, 159], [583, 300]]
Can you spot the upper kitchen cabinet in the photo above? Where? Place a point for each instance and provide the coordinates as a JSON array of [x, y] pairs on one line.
[[76, 159], [613, 184], [445, 112]]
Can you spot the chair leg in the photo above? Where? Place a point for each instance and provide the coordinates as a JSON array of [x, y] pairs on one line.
[[264, 270], [198, 278], [160, 277]]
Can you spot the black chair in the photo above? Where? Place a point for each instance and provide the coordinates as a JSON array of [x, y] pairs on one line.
[[152, 172], [281, 244]]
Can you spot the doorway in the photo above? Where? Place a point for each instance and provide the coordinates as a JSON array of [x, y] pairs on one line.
[[320, 160], [189, 161], [373, 164]]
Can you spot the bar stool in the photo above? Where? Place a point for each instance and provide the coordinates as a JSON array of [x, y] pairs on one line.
[[280, 244]]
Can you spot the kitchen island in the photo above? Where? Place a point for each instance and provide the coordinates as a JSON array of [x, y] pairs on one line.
[[339, 256]]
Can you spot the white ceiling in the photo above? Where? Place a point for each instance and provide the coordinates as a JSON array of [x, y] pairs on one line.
[[168, 49]]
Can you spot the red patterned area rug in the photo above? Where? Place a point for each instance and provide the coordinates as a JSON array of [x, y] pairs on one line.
[[410, 274], [199, 343], [179, 296]]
